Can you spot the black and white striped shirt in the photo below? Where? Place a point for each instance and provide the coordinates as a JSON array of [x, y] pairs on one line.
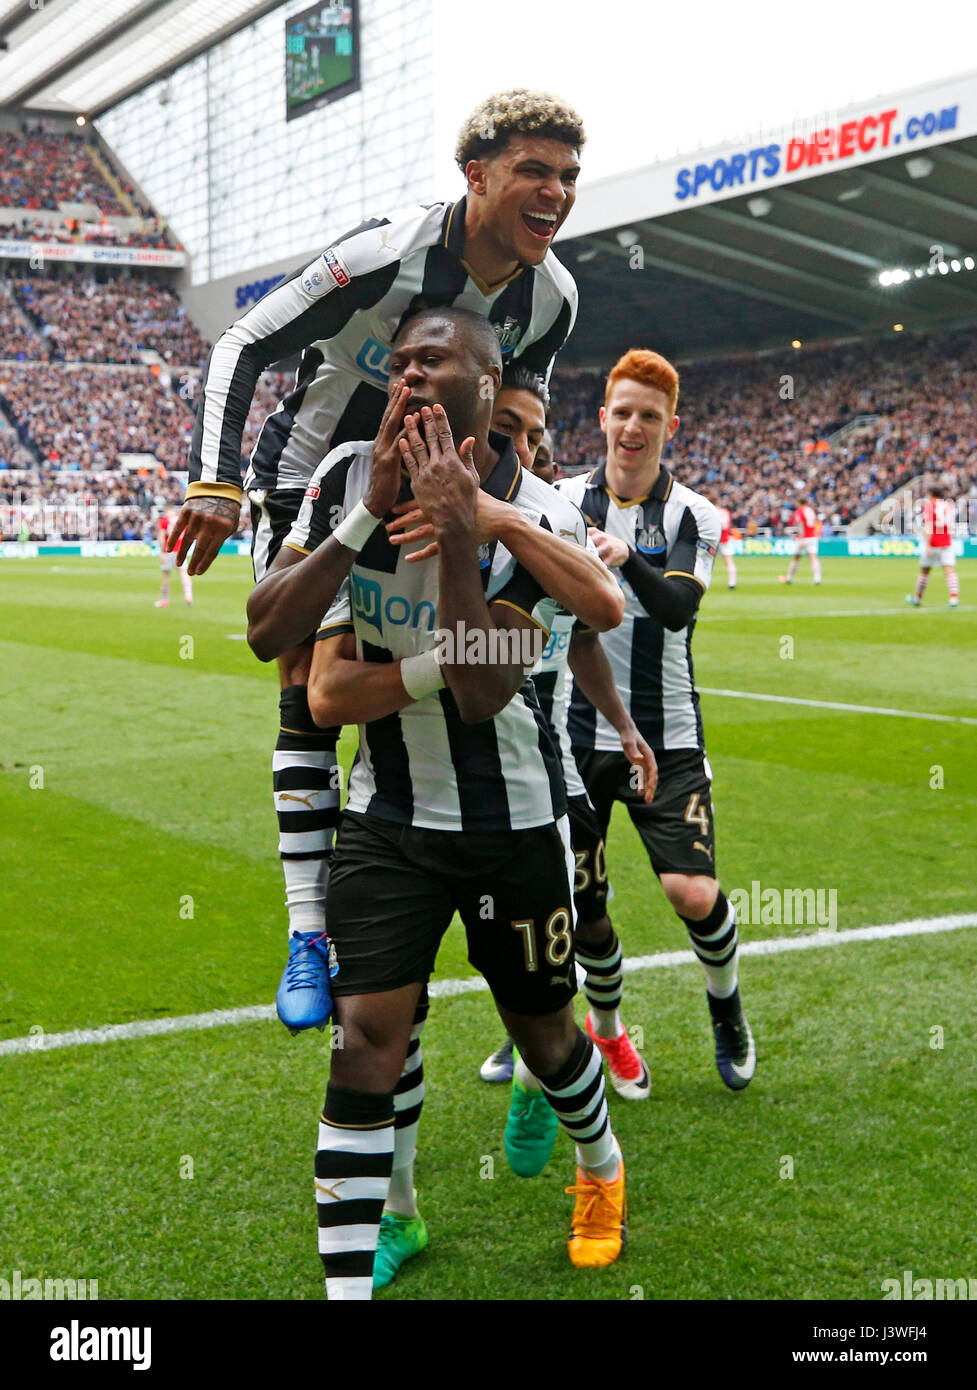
[[342, 313], [677, 531], [422, 766], [554, 683]]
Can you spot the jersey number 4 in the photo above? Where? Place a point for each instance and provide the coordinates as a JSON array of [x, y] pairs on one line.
[[696, 813]]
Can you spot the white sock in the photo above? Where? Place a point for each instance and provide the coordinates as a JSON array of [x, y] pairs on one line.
[[524, 1076], [607, 1023], [608, 1169], [401, 1199]]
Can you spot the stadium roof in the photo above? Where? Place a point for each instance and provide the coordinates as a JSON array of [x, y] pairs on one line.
[[726, 250], [83, 56], [802, 263]]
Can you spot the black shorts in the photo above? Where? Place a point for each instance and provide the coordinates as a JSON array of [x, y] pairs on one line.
[[393, 890], [590, 871], [273, 514], [676, 828]]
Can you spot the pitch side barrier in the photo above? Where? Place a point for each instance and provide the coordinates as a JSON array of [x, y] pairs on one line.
[[874, 546]]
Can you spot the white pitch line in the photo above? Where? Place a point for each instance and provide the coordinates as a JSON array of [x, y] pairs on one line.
[[836, 704], [442, 989], [791, 614]]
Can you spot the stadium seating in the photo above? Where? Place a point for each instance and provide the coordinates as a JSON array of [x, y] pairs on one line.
[[113, 321], [744, 436], [759, 432]]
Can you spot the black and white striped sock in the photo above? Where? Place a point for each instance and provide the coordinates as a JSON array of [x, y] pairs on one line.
[[408, 1100], [576, 1093], [306, 779], [714, 940], [352, 1174], [604, 984]]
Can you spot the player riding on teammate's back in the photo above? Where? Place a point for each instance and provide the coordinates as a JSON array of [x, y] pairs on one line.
[[488, 253]]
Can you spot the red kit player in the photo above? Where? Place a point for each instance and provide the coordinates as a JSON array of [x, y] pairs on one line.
[[726, 541], [167, 563], [936, 545], [806, 527]]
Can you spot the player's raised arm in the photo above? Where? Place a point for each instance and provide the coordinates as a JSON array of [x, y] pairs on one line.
[[576, 577], [672, 598], [285, 607]]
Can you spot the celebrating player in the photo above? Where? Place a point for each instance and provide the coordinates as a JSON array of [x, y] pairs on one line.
[[490, 253], [936, 546], [167, 564], [661, 538], [806, 528], [455, 799]]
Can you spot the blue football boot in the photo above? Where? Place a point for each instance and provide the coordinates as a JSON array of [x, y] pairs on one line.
[[304, 999]]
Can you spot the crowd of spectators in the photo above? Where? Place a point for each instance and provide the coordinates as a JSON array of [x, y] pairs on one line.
[[41, 168], [841, 425], [86, 417], [84, 320], [763, 433], [40, 503], [18, 339], [70, 231], [42, 171]]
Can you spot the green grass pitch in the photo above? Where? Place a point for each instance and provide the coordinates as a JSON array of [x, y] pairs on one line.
[[136, 791]]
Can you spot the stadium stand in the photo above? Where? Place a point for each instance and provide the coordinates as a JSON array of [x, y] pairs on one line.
[[764, 451], [57, 174], [91, 370], [112, 321]]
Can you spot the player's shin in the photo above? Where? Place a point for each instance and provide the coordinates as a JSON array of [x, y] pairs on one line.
[[714, 939], [306, 779], [352, 1174], [408, 1100], [576, 1094], [604, 984]]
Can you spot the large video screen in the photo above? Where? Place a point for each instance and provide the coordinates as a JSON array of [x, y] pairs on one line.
[[322, 56]]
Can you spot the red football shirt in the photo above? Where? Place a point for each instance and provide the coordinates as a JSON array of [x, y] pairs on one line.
[[805, 520], [938, 518]]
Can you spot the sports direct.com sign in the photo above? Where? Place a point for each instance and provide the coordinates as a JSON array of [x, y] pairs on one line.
[[873, 135], [904, 124]]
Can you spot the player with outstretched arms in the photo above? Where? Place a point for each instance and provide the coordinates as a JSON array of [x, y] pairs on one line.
[[456, 799], [660, 538], [489, 252], [936, 545]]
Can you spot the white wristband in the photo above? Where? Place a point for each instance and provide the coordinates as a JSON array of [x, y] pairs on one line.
[[422, 675], [356, 529]]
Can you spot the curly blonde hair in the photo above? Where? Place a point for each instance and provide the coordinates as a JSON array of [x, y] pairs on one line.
[[518, 111]]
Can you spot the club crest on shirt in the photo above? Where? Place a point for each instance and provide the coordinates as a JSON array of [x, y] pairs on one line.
[[484, 555], [650, 540], [508, 333]]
